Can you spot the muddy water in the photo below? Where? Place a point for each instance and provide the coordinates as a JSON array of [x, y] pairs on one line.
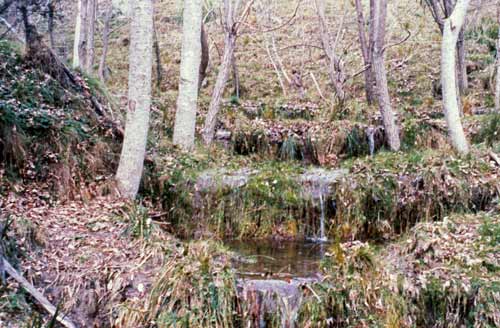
[[267, 259]]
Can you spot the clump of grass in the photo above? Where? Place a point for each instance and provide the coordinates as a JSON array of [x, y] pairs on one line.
[[391, 192], [347, 295], [196, 289], [489, 131], [141, 225]]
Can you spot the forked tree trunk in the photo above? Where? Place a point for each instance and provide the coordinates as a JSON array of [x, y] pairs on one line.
[[365, 51], [335, 65], [451, 29], [384, 101], [105, 43], [185, 117], [441, 10], [131, 164]]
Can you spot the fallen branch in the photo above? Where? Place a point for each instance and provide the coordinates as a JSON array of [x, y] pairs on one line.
[[36, 294]]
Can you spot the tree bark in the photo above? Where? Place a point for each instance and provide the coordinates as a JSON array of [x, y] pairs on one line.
[[236, 76], [105, 43], [230, 35], [335, 65], [378, 21], [83, 46], [159, 69], [220, 85], [131, 164], [439, 12], [463, 83], [79, 41], [50, 23], [185, 117], [205, 56], [451, 29], [90, 30], [365, 51], [497, 84]]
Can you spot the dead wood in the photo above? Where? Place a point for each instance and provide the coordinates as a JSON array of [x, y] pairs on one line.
[[44, 302]]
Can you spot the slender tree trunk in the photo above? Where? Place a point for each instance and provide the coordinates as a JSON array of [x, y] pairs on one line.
[[220, 85], [463, 84], [365, 51], [230, 35], [185, 118], [50, 23], [79, 42], [131, 164], [440, 11], [451, 29], [159, 69], [90, 30], [236, 77], [105, 43], [205, 56], [384, 101], [335, 66], [497, 84]]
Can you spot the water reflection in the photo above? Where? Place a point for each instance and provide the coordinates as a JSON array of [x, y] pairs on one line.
[[269, 259]]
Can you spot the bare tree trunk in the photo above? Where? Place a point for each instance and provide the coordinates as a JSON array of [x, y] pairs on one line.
[[439, 12], [185, 117], [230, 34], [379, 21], [159, 69], [50, 23], [205, 56], [236, 77], [335, 65], [83, 47], [365, 51], [131, 164], [105, 43], [80, 35], [451, 29], [497, 84], [90, 30], [220, 85], [463, 84]]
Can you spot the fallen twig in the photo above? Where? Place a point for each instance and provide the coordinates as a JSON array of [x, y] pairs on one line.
[[36, 294]]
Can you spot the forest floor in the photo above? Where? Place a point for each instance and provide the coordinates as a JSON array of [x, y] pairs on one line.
[[416, 237]]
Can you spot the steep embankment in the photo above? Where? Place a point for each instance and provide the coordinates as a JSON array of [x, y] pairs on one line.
[[77, 246]]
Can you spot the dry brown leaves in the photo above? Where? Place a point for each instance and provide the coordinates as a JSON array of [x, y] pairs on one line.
[[80, 254]]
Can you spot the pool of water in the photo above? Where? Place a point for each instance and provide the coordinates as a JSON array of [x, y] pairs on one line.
[[268, 259]]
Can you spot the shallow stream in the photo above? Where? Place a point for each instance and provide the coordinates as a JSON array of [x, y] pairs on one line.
[[269, 259]]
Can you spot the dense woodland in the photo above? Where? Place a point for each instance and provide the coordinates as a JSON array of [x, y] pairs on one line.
[[250, 163]]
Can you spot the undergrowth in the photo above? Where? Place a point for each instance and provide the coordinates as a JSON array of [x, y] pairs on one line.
[[48, 133]]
